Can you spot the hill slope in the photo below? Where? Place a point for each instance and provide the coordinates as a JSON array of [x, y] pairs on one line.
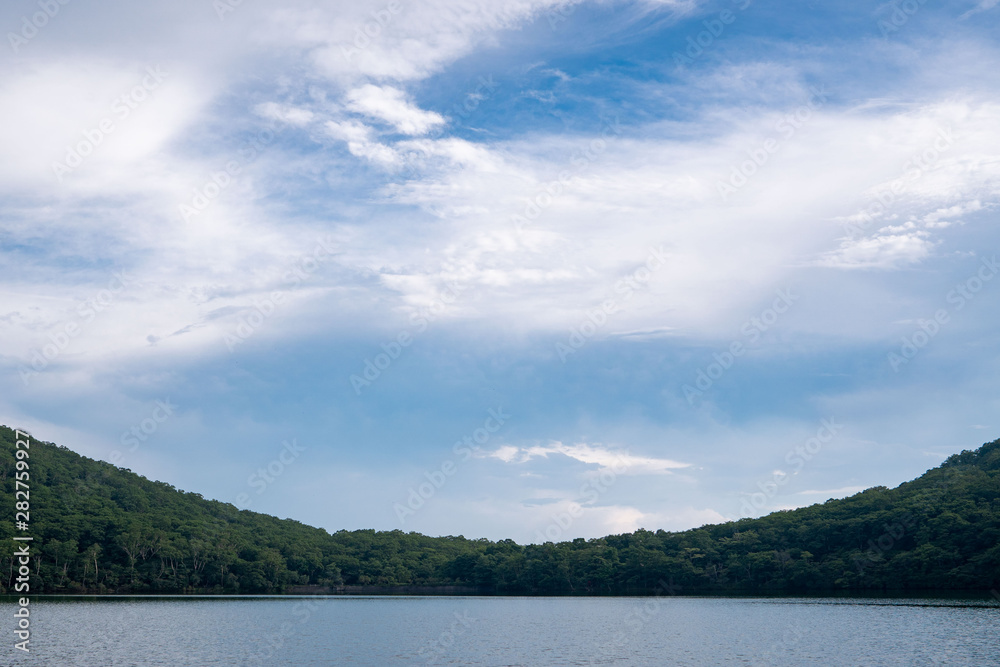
[[100, 528]]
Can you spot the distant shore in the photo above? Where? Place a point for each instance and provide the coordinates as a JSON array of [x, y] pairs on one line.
[[469, 591]]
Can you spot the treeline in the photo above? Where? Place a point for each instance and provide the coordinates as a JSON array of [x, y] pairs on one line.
[[98, 528]]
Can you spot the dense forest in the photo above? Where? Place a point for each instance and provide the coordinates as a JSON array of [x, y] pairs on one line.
[[98, 528]]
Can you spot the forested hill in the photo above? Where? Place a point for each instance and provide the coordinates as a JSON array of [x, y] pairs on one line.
[[99, 528]]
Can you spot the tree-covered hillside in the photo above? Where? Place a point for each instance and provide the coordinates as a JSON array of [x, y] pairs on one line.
[[99, 528]]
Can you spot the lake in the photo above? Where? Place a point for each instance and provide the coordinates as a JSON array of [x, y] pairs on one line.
[[381, 630]]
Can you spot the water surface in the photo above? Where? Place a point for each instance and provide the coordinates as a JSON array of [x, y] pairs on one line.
[[204, 632]]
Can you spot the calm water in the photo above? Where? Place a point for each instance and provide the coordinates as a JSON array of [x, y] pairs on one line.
[[507, 631]]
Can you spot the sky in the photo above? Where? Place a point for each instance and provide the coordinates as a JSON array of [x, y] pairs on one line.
[[537, 269]]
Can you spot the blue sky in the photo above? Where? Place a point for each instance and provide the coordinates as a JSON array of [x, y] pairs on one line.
[[538, 270]]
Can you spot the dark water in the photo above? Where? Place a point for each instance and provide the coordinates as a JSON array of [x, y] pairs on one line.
[[204, 632]]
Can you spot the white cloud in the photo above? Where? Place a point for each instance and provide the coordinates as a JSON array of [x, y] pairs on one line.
[[939, 219], [590, 228], [596, 228], [506, 453], [105, 123], [619, 461], [984, 5], [390, 105], [350, 131], [885, 251], [369, 41], [362, 144], [285, 113]]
